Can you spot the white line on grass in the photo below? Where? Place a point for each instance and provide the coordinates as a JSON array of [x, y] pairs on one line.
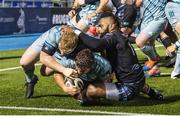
[[70, 110], [157, 46], [14, 68]]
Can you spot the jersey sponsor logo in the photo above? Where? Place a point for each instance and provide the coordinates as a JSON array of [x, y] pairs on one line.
[[171, 14]]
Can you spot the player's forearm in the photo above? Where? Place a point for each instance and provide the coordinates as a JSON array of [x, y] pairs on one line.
[[59, 79], [102, 6], [76, 4], [91, 42], [50, 62]]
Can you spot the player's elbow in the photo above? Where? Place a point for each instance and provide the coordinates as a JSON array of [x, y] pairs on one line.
[[96, 47], [91, 91]]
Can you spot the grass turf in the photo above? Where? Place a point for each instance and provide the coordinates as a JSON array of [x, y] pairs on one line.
[[48, 95]]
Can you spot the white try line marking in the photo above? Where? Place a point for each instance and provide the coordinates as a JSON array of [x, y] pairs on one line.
[[157, 46], [70, 110], [19, 67], [14, 68]]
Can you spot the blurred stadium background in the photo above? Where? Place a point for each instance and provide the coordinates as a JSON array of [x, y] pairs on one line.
[[35, 3], [22, 22]]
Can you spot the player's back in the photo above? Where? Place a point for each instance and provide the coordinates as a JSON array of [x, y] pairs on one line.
[[99, 70], [152, 10]]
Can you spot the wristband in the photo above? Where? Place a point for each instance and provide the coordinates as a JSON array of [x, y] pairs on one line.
[[177, 44]]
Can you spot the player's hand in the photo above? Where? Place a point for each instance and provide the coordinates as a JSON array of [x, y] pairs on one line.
[[90, 15], [170, 49], [67, 28], [71, 73], [72, 91], [72, 13]]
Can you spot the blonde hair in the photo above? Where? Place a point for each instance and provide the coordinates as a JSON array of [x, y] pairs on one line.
[[68, 42]]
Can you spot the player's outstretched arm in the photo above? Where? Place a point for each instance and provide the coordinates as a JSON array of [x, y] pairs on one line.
[[94, 43], [101, 8], [59, 79], [50, 62]]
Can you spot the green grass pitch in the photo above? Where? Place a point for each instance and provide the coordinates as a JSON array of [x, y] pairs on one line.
[[48, 95]]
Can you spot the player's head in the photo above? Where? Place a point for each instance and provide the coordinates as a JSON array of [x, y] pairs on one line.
[[68, 42], [84, 61], [107, 23]]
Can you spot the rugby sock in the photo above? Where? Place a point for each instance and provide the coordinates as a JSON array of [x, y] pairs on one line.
[[166, 42], [173, 54], [112, 93], [149, 50], [29, 74]]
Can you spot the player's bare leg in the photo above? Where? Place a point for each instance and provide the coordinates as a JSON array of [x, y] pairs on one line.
[[28, 60]]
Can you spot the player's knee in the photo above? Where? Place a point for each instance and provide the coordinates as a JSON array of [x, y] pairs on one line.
[[27, 65], [23, 62], [138, 43], [91, 91]]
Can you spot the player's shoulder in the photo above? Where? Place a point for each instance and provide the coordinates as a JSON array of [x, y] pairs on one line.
[[55, 29], [54, 34], [101, 62], [97, 57]]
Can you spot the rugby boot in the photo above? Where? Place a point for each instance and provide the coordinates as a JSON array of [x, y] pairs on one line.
[[149, 64], [174, 75], [154, 71], [155, 94], [30, 87], [171, 61]]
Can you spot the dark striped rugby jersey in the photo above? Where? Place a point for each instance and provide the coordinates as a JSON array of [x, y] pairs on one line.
[[120, 54]]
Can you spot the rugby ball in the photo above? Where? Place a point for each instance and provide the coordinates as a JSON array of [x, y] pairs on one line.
[[76, 82]]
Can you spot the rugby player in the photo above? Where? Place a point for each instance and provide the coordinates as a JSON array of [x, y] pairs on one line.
[[91, 68], [123, 59], [32, 55], [153, 21], [126, 13], [173, 16], [89, 12]]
